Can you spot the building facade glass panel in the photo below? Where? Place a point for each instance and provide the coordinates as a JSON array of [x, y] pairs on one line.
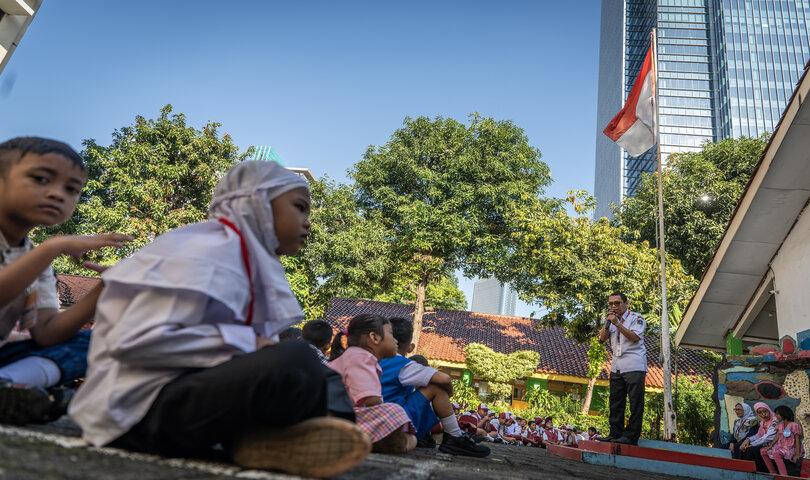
[[726, 69]]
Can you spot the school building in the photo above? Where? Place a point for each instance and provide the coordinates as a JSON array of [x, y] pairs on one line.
[[15, 17], [752, 302], [563, 362]]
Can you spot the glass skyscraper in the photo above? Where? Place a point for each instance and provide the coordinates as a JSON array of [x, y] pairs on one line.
[[726, 68]]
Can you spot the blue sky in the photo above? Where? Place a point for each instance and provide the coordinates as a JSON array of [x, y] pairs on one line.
[[320, 81]]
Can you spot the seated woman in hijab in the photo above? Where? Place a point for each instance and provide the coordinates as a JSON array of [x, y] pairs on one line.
[[766, 432], [184, 358], [745, 426]]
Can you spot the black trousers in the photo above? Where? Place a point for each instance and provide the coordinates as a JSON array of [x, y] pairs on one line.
[[277, 386], [623, 385]]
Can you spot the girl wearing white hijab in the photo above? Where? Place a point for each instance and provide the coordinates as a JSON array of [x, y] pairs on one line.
[[183, 355]]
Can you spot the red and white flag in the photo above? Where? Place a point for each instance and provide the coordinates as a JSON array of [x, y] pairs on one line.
[[633, 128]]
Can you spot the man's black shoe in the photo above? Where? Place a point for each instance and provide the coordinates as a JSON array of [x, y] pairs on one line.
[[463, 445], [426, 442], [625, 441], [24, 404]]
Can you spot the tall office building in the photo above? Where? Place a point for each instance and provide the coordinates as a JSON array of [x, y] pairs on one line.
[[726, 68], [15, 16], [492, 296]]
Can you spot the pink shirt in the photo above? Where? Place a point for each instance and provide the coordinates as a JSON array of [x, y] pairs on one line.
[[360, 372]]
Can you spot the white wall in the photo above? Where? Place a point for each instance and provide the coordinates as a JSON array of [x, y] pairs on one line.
[[791, 269]]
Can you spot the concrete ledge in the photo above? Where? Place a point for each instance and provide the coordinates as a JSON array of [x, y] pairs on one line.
[[685, 448], [669, 468]]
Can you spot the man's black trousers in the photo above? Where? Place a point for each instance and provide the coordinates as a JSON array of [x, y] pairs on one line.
[[276, 386], [622, 386]]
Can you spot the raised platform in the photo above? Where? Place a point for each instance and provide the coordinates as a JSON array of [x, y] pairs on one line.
[[664, 458]]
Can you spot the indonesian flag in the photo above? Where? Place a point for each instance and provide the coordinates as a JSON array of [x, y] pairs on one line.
[[633, 128]]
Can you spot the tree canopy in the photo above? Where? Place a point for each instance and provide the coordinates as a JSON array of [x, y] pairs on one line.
[[443, 188], [570, 264], [701, 190], [156, 175]]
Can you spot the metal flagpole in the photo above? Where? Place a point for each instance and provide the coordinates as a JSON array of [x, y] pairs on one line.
[[669, 412]]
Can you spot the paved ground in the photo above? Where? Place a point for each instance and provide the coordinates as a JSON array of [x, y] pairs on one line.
[[55, 452]]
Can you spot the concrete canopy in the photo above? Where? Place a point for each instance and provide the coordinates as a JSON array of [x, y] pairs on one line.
[[736, 279]]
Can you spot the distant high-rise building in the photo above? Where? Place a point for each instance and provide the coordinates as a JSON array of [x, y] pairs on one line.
[[726, 68], [492, 296], [15, 16]]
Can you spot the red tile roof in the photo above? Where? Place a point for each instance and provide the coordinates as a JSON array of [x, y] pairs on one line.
[[72, 288], [446, 332]]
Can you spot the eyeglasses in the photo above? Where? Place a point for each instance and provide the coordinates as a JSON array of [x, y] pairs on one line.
[[615, 304]]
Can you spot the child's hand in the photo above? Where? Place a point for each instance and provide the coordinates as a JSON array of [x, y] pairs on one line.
[[262, 342], [78, 245]]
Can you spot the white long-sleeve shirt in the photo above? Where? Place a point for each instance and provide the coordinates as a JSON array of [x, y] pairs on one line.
[[146, 333]]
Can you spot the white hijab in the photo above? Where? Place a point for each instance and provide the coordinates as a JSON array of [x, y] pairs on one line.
[[243, 196], [205, 257]]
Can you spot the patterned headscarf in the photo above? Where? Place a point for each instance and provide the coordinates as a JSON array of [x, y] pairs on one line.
[[742, 424]]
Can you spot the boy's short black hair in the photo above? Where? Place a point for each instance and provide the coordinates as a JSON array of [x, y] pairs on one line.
[[291, 333], [620, 295], [402, 329], [317, 332], [22, 146]]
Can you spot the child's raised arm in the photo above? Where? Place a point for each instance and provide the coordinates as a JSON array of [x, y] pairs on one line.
[[19, 274]]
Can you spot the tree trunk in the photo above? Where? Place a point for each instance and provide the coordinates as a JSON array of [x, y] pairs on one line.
[[586, 405], [419, 311]]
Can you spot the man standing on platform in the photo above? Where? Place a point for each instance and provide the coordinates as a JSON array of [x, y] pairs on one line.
[[625, 330]]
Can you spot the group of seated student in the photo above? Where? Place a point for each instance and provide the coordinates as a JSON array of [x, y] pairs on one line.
[[772, 438], [185, 358], [486, 425]]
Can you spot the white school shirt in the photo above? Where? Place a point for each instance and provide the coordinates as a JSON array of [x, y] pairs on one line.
[[146, 336], [416, 375], [22, 310], [628, 356]]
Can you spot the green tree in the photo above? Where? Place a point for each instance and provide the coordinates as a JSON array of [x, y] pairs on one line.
[[569, 264], [597, 356], [443, 189], [157, 174], [348, 254], [701, 191]]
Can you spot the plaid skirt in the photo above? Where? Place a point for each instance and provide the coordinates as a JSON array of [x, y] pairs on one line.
[[381, 420]]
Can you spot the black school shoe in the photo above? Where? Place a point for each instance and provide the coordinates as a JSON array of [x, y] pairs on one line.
[[25, 404], [426, 442], [625, 441], [463, 445]]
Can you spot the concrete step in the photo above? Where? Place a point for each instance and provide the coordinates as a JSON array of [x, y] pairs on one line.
[[669, 455], [653, 466]]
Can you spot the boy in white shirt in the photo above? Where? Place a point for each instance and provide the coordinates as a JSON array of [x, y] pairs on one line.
[[40, 348]]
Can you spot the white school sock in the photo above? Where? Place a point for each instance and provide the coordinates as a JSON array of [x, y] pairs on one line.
[[450, 425], [34, 371]]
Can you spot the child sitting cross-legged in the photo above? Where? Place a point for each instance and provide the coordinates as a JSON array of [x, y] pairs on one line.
[[42, 350], [424, 393], [369, 339], [184, 358]]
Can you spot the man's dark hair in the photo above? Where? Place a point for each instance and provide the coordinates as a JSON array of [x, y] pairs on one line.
[[12, 151], [619, 294], [402, 329], [317, 332], [291, 333]]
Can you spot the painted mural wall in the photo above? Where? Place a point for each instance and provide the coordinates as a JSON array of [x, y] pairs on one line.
[[774, 375]]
